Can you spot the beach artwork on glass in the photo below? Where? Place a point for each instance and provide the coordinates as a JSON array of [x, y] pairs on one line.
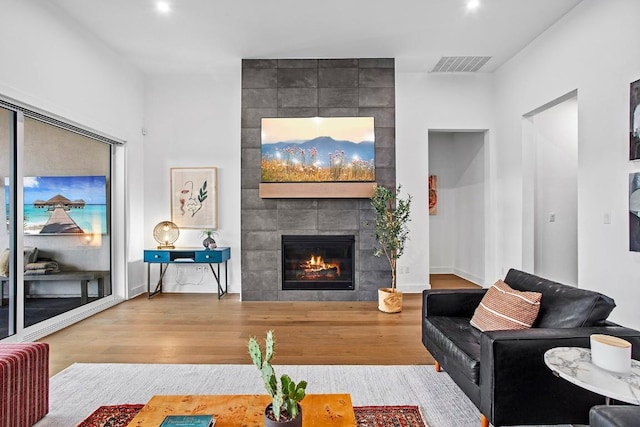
[[63, 204], [318, 149]]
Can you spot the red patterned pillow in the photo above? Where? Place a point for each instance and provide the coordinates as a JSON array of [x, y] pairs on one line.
[[505, 308]]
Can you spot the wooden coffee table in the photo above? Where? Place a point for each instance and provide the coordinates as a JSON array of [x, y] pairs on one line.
[[318, 410]]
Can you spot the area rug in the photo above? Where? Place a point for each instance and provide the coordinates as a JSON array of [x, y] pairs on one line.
[[81, 388], [111, 416], [366, 416]]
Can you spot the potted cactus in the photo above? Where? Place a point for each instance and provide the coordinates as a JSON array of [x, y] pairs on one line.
[[392, 217], [284, 409]]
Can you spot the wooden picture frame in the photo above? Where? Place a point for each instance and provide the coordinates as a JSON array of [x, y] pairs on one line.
[[433, 194], [194, 197]]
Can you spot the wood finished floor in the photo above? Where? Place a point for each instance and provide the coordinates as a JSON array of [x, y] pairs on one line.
[[199, 328]]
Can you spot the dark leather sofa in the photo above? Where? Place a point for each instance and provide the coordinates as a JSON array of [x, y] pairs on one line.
[[503, 372], [614, 416]]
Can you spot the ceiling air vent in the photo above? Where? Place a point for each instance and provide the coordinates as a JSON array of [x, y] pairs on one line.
[[460, 64]]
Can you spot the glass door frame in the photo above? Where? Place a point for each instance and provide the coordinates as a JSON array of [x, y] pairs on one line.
[[116, 218]]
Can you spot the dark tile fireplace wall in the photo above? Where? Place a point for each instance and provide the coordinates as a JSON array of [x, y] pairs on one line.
[[310, 88]]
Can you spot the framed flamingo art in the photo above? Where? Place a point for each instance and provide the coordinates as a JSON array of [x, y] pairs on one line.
[[194, 197]]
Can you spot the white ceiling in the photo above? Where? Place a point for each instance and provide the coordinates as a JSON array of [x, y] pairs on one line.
[[200, 35]]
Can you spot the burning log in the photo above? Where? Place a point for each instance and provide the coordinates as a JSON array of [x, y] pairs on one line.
[[317, 268]]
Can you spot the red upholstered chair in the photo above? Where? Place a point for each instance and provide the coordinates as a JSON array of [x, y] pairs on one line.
[[24, 383]]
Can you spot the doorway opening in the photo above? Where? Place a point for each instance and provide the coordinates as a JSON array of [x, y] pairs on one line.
[[457, 225]]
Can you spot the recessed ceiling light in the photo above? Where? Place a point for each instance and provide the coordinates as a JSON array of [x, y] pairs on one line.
[[473, 5], [163, 7]]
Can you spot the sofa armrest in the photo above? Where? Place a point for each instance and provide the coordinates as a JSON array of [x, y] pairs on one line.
[[451, 302], [514, 377], [614, 416]]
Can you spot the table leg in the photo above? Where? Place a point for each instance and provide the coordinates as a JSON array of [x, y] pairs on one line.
[[226, 277], [100, 287], [149, 280], [216, 276], [158, 289], [84, 291]]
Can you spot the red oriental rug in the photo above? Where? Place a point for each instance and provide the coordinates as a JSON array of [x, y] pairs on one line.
[[366, 416]]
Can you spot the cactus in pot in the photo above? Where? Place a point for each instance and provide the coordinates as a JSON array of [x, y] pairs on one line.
[[285, 394]]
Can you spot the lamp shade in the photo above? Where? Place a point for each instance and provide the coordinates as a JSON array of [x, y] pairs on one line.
[[166, 233]]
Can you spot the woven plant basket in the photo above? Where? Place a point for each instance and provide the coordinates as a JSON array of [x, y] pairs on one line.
[[389, 301]]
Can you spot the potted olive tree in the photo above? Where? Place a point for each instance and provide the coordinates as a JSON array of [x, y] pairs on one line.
[[392, 217], [284, 409]]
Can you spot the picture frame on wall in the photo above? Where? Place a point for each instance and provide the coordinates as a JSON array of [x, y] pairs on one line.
[[194, 197], [433, 195], [634, 121], [634, 212]]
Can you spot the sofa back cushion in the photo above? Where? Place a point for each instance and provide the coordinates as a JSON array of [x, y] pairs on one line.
[[563, 306]]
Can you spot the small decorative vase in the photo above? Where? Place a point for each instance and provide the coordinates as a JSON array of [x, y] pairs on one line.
[[209, 243], [268, 422]]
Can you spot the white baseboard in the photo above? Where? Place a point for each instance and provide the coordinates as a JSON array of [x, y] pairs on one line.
[[413, 288], [468, 276], [138, 290], [441, 270], [458, 272]]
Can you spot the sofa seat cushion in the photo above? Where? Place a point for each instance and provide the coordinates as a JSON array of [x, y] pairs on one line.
[[563, 306], [459, 341]]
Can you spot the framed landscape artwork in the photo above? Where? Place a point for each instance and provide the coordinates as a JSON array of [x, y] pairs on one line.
[[318, 149], [194, 197]]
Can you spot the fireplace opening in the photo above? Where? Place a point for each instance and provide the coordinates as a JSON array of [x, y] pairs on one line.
[[318, 262]]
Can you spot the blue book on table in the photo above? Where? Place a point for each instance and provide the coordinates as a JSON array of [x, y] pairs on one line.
[[188, 421]]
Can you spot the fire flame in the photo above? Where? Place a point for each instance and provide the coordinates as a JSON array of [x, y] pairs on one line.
[[317, 263]]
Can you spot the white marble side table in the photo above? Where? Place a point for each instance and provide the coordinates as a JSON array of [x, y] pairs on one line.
[[574, 365]]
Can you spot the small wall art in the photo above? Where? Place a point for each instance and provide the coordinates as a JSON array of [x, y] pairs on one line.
[[194, 197], [634, 121], [634, 212], [433, 195]]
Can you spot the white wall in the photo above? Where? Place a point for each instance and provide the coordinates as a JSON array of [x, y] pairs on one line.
[[469, 155], [193, 121], [556, 192], [52, 63], [592, 49], [457, 232], [438, 102], [442, 231]]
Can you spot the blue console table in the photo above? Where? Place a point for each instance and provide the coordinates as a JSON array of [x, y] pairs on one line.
[[164, 257]]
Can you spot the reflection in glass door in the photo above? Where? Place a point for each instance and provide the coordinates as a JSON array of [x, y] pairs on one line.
[[66, 232]]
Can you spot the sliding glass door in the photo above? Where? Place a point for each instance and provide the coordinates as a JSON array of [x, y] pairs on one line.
[[55, 237], [8, 297], [66, 205]]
